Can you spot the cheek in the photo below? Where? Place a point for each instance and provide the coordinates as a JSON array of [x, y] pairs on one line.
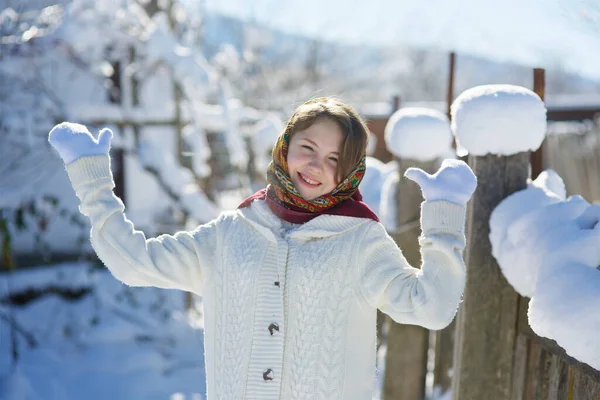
[[331, 173], [294, 160]]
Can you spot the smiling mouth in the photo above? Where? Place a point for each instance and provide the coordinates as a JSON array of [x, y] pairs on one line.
[[309, 182]]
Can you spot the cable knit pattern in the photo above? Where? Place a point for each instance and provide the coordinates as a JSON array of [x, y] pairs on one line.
[[331, 368], [236, 299], [290, 311], [306, 304]]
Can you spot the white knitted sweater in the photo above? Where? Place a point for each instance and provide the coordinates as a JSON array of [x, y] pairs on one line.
[[289, 313]]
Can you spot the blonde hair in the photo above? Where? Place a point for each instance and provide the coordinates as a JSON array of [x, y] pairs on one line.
[[354, 129]]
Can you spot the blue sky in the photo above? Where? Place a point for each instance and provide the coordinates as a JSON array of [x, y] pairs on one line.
[[544, 33]]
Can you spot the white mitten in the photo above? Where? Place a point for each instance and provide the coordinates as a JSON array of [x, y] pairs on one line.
[[454, 182], [73, 141]]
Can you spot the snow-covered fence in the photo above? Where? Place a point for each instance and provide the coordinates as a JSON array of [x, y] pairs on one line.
[[417, 137], [499, 125], [548, 249]]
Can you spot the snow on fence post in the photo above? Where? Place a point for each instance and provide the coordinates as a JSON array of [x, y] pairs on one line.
[[499, 125], [417, 137]]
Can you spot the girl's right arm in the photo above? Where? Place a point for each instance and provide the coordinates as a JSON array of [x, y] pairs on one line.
[[172, 262]]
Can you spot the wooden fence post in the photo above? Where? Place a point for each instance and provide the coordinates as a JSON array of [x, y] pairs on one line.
[[450, 92], [407, 345], [539, 87], [487, 323]]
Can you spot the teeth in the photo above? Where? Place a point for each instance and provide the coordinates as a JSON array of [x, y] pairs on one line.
[[309, 180]]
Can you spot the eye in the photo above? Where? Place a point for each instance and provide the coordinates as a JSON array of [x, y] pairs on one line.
[[334, 159], [307, 147]]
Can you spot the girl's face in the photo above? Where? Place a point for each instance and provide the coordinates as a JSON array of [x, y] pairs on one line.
[[312, 158]]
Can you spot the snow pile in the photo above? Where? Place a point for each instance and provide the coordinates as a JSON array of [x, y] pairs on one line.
[[387, 196], [265, 135], [372, 182], [81, 334], [418, 133], [498, 119], [371, 144], [513, 235], [548, 248], [387, 205], [567, 297]]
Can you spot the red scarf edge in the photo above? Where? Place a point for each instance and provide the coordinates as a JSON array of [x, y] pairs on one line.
[[352, 207]]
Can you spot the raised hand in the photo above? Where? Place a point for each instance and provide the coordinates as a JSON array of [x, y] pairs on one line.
[[454, 182], [73, 141]]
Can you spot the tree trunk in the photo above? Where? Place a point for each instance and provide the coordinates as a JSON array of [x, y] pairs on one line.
[[487, 321]]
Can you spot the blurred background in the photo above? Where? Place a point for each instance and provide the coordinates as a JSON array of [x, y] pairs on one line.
[[196, 93]]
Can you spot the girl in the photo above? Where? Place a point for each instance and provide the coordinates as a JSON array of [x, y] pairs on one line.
[[292, 279]]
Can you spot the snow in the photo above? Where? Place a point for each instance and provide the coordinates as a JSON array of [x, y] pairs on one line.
[[371, 184], [418, 133], [371, 144], [238, 155], [265, 135], [567, 297], [195, 137], [189, 67], [178, 179], [548, 248], [112, 342], [510, 230], [387, 207], [498, 119]]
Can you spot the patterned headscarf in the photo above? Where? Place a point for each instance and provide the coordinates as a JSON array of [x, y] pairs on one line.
[[282, 191]]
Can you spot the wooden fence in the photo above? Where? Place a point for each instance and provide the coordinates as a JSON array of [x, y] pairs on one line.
[[536, 368], [542, 369]]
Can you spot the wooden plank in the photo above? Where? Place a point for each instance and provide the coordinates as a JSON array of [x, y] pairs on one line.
[[559, 379], [533, 366], [406, 355], [563, 370], [444, 354], [585, 388], [520, 368], [543, 376], [486, 335], [552, 347]]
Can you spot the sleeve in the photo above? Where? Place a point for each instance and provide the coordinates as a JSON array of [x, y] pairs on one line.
[[428, 296], [167, 261]]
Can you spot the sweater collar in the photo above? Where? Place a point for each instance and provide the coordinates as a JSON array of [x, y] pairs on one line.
[[269, 225]]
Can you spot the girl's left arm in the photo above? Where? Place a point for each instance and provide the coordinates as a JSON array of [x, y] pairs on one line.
[[428, 296]]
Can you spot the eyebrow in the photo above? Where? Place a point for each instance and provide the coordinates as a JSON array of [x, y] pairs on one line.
[[316, 145]]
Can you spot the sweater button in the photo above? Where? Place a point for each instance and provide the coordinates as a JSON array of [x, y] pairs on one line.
[[276, 283], [268, 375], [273, 327]]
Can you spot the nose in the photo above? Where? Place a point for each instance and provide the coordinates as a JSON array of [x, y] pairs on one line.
[[315, 165]]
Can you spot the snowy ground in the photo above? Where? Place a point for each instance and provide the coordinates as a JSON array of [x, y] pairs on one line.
[[111, 342]]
